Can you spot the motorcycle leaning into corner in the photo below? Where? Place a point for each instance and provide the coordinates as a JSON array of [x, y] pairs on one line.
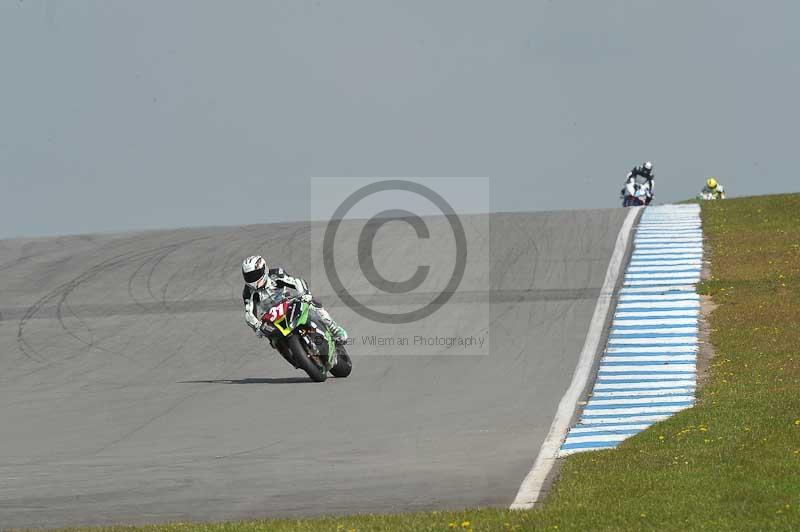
[[296, 331]]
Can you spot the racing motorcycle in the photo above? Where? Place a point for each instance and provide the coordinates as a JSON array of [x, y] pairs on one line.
[[639, 198], [709, 196], [296, 331]]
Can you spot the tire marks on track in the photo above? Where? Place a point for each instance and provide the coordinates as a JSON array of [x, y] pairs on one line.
[[62, 291]]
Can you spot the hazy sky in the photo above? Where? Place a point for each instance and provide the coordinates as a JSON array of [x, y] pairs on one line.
[[144, 114]]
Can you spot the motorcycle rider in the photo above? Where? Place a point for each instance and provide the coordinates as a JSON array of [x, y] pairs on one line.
[[260, 281], [638, 177], [712, 190]]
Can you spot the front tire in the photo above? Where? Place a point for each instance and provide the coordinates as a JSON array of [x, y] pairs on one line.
[[343, 365], [300, 356]]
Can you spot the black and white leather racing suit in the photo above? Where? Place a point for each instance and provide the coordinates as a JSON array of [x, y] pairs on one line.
[[278, 279]]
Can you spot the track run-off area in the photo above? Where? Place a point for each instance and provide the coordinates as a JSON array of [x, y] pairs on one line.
[[131, 390]]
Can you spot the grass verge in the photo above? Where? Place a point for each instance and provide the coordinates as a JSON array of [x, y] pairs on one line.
[[730, 463]]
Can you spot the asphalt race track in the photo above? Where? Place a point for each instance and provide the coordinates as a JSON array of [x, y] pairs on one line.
[[132, 392]]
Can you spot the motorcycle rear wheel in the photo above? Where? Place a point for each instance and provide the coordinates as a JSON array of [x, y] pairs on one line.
[[300, 356]]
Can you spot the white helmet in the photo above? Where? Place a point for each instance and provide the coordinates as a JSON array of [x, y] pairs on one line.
[[254, 271], [648, 166]]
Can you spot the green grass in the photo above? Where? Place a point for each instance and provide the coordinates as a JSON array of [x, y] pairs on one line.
[[730, 463]]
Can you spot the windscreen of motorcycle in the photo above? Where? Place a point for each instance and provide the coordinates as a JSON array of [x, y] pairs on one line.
[[269, 300]]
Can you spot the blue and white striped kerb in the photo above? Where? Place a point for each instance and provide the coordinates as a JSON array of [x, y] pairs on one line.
[[648, 370]]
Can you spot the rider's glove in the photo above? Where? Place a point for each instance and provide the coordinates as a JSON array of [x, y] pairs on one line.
[[306, 298], [259, 333]]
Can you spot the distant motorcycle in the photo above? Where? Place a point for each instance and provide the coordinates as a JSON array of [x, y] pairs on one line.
[[639, 198], [296, 331], [709, 196]]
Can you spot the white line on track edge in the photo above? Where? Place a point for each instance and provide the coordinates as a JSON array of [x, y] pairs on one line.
[[531, 488]]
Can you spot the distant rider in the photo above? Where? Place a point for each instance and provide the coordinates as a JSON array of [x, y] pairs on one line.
[[712, 190], [259, 281], [640, 176]]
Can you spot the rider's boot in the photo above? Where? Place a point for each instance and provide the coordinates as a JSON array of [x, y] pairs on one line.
[[338, 332]]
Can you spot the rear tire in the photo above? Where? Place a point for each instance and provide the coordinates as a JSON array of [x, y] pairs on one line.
[[300, 356], [343, 365]]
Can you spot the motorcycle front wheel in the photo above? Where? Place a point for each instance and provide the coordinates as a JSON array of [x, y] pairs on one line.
[[300, 356], [343, 365]]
